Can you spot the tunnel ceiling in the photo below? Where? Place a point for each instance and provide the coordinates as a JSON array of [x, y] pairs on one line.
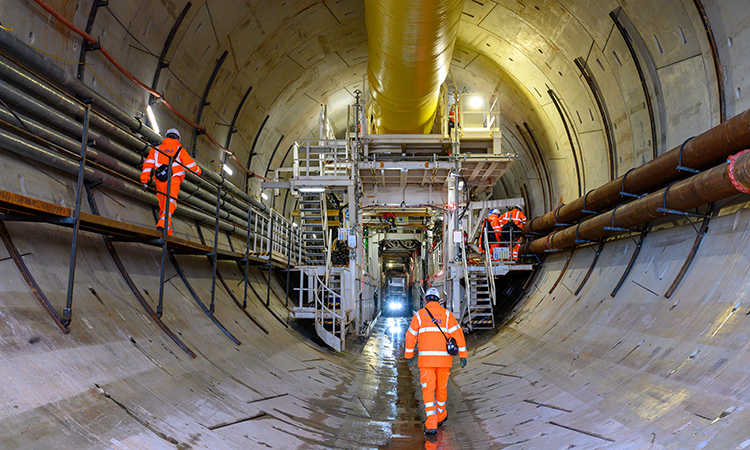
[[295, 55]]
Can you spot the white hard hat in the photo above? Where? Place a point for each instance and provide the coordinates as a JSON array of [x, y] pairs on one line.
[[519, 207], [432, 292], [174, 131], [495, 211]]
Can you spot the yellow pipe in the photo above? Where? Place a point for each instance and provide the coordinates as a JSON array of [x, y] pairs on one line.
[[410, 45]]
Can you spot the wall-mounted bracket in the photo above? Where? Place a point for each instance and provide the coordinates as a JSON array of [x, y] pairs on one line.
[[679, 162], [622, 189], [688, 215]]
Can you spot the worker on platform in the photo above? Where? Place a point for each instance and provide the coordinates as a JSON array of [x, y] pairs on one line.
[[158, 162], [512, 222], [432, 327], [493, 227]]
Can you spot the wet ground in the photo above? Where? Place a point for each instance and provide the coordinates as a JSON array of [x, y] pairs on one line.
[[389, 394]]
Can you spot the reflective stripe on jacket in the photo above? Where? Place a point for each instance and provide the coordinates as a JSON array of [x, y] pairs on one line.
[[422, 331], [168, 148], [516, 215]]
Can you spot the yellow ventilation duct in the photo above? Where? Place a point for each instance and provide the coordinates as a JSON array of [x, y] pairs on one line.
[[410, 44]]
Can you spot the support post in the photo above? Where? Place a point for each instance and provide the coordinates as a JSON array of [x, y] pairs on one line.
[[290, 243], [216, 235], [270, 255], [67, 312], [247, 257]]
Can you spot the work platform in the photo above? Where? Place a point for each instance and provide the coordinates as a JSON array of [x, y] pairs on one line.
[[21, 208]]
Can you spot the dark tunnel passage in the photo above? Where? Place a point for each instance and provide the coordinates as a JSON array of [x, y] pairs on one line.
[[631, 337]]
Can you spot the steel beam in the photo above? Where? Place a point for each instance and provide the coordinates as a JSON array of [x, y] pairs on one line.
[[162, 64], [204, 102]]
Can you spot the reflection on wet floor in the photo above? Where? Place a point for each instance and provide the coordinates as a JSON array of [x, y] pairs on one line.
[[389, 394]]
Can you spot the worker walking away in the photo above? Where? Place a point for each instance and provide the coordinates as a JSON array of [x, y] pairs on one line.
[[158, 164], [440, 337]]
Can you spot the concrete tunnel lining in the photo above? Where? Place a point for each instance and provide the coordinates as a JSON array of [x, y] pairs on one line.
[[590, 371]]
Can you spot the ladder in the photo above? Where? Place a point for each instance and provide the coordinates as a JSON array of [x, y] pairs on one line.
[[313, 225], [480, 299]]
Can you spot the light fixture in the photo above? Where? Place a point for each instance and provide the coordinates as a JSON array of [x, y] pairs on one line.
[[152, 119], [294, 224], [264, 196], [476, 102], [228, 170], [312, 190], [395, 306]]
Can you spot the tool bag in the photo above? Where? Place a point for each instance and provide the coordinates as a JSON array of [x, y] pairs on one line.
[[162, 172], [450, 343]]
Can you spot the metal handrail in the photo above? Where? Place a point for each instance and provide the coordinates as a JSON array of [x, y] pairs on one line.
[[488, 267], [321, 308], [466, 279], [309, 165], [329, 249]]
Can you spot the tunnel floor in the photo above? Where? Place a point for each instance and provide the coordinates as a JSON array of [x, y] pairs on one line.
[[389, 395]]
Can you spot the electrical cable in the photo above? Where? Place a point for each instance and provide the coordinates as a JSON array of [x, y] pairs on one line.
[[135, 80]]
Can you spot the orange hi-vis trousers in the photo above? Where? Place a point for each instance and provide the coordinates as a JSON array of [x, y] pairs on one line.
[[161, 188], [434, 382]]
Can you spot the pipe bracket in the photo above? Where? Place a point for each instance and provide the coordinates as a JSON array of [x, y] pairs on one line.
[[679, 161], [612, 226], [622, 189], [585, 198]]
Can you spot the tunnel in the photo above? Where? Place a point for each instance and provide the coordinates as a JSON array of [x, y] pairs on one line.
[[116, 337]]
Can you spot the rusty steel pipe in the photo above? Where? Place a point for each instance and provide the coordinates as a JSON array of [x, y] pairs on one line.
[[701, 189], [703, 151]]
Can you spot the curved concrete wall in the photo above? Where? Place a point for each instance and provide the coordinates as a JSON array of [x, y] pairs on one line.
[[588, 371]]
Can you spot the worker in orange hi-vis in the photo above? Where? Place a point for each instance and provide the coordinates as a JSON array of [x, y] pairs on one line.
[[512, 222], [432, 327], [158, 163], [493, 227]]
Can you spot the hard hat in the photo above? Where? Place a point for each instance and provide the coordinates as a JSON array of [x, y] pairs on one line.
[[432, 294], [174, 131], [495, 211], [519, 207]]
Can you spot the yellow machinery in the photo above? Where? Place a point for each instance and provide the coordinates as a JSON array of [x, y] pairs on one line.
[[410, 48]]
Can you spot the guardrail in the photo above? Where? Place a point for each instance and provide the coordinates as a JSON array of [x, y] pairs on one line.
[[315, 158]]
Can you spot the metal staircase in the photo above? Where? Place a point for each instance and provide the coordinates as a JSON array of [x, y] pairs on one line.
[[480, 291], [480, 300], [324, 303], [313, 218]]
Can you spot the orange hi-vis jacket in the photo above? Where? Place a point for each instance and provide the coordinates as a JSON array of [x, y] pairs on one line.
[[432, 351], [516, 215], [168, 148]]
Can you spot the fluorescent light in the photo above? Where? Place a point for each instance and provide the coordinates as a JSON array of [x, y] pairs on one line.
[[152, 119], [263, 196], [228, 170], [312, 190]]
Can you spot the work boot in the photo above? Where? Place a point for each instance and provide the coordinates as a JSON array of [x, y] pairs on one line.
[[430, 431], [440, 424]]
